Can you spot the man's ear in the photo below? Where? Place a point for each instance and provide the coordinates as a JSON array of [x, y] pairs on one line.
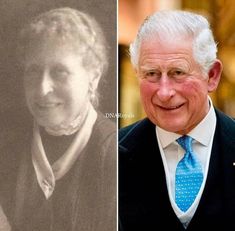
[[214, 75]]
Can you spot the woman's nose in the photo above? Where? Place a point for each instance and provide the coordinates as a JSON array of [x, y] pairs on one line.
[[46, 84]]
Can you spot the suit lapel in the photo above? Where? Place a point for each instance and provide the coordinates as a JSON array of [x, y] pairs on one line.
[[142, 173]]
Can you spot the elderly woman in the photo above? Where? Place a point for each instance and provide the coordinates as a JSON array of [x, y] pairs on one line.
[[66, 179]]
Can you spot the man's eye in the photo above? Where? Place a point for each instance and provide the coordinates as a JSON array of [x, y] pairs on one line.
[[177, 73], [152, 75]]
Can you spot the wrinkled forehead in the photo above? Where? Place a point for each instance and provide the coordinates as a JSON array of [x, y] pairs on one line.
[[168, 53], [170, 45], [167, 38]]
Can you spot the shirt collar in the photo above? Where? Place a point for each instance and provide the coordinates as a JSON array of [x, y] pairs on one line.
[[202, 132]]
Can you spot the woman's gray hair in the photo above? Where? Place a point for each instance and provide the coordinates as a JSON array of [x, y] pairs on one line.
[[73, 27], [171, 24]]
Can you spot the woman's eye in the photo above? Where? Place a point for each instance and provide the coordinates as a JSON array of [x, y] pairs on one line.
[[59, 73], [32, 72]]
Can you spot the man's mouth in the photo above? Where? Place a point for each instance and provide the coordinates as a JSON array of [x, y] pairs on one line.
[[171, 108]]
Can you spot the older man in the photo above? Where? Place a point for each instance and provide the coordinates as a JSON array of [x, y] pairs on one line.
[[176, 167]]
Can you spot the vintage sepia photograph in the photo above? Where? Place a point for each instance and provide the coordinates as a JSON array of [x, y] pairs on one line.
[[58, 158]]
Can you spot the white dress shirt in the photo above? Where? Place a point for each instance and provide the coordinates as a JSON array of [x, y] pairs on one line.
[[172, 153]]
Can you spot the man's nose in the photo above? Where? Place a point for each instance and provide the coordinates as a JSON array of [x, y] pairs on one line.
[[166, 88]]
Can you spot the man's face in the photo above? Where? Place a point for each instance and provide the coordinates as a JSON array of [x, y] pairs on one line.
[[174, 89]]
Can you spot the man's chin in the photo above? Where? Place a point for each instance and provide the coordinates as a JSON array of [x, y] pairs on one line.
[[172, 126]]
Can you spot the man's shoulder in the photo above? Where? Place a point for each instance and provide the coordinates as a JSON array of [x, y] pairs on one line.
[[225, 122], [135, 134], [123, 132], [132, 129]]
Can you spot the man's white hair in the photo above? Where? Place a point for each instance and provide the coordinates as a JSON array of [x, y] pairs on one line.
[[178, 24]]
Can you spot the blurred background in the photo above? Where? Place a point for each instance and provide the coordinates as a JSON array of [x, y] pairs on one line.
[[131, 13]]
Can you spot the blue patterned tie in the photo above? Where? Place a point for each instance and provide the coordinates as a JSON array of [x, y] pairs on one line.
[[188, 175]]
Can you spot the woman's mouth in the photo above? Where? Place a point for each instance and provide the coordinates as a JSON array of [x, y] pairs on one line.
[[47, 105]]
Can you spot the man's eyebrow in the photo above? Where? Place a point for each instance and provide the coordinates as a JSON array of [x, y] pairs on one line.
[[149, 67]]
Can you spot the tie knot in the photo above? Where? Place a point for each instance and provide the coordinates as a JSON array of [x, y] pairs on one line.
[[185, 142]]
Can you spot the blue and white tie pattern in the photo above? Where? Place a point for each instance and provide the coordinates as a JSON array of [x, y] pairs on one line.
[[188, 176]]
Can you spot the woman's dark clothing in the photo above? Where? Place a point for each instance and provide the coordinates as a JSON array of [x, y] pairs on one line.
[[83, 200]]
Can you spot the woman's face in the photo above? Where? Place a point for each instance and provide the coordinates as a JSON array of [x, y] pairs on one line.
[[56, 84]]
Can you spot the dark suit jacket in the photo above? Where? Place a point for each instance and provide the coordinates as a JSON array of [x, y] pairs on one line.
[[143, 197]]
